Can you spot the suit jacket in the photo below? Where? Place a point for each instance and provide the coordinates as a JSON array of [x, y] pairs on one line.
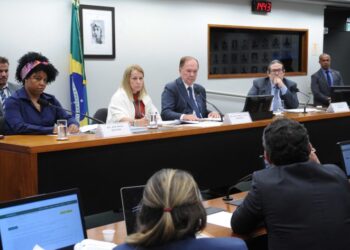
[[303, 205], [320, 88], [175, 100], [194, 244], [262, 86], [12, 89]]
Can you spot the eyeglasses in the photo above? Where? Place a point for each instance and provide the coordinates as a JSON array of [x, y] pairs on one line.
[[277, 70]]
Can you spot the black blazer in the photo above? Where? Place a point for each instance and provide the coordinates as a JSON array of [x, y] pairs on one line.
[[175, 100], [303, 205]]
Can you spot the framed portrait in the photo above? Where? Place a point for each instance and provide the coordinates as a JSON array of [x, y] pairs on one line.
[[97, 31]]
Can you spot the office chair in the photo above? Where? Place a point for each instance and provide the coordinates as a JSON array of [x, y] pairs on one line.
[[101, 114]]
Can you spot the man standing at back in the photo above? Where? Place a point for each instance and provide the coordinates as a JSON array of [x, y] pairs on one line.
[[6, 88], [183, 99], [323, 79], [304, 205]]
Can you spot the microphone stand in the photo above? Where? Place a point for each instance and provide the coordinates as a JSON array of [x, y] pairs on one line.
[[307, 102], [227, 197], [216, 109], [44, 102]]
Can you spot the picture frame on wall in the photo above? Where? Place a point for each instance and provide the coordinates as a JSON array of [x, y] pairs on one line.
[[97, 31]]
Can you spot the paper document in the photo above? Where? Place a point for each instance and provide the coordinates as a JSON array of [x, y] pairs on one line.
[[222, 219], [301, 110], [204, 124], [88, 128]]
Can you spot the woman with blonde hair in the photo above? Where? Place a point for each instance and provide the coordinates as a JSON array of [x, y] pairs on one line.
[[172, 214], [131, 103]]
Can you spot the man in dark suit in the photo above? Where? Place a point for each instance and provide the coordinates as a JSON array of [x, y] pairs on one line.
[[283, 90], [304, 205], [323, 79], [6, 88], [183, 99]]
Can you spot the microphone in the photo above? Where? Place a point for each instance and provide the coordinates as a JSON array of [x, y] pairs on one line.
[[245, 178], [294, 88], [216, 109], [45, 103]]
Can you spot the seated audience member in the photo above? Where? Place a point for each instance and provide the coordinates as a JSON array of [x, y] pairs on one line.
[[6, 88], [323, 79], [23, 113], [131, 103], [283, 90], [183, 99], [172, 214], [304, 205]]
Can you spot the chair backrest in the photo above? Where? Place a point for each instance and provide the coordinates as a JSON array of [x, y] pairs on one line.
[[101, 114], [2, 125]]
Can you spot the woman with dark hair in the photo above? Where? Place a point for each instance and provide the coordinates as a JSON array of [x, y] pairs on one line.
[[25, 114], [172, 214]]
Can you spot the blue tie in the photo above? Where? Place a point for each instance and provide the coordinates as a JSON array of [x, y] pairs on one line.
[[3, 97], [275, 102], [329, 80], [193, 103]]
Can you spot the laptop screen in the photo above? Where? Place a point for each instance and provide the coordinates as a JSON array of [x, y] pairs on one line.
[[345, 156], [131, 198], [51, 221]]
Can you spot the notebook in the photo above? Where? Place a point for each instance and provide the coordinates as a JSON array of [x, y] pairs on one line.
[[131, 199], [345, 156], [51, 221]]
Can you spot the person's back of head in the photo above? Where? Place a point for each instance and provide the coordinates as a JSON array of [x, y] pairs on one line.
[[285, 142], [171, 209]]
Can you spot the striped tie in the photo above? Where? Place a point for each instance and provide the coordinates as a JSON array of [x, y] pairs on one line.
[[3, 98]]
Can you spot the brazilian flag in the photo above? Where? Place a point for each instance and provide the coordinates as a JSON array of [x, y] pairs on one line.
[[78, 93]]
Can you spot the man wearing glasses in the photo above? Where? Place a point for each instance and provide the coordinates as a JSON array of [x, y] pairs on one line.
[[283, 90]]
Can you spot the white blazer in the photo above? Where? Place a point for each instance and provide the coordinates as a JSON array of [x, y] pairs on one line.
[[121, 106]]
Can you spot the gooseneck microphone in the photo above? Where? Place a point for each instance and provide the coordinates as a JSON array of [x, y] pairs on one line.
[[197, 93], [227, 197], [45, 103], [294, 88]]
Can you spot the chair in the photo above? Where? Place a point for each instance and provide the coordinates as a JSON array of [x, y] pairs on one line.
[[2, 125], [101, 114]]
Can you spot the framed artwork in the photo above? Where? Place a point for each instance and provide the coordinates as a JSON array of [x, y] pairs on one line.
[[97, 31], [243, 51]]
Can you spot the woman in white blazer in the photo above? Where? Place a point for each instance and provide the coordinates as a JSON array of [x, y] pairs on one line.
[[131, 103]]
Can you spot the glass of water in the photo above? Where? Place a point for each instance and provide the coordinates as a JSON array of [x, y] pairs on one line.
[[62, 131]]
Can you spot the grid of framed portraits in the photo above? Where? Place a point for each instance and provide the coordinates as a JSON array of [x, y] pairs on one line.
[[246, 51]]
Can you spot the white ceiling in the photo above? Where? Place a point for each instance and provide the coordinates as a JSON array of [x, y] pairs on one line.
[[338, 3]]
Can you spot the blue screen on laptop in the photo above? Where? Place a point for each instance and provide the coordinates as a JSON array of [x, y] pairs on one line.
[[345, 149], [51, 223]]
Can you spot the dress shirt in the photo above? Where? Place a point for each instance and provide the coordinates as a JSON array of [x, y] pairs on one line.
[[23, 118]]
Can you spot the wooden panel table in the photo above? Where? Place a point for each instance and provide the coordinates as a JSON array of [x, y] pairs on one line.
[[210, 230], [216, 156]]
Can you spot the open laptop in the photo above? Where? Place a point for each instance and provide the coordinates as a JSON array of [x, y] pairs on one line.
[[131, 199], [344, 147], [51, 221]]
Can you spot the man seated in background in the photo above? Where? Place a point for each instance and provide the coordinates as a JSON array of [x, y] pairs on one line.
[[323, 79], [283, 90], [183, 98], [304, 205]]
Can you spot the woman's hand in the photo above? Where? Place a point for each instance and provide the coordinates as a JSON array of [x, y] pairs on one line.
[[73, 129]]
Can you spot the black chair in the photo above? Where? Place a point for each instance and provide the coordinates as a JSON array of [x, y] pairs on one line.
[[2, 125], [101, 114]]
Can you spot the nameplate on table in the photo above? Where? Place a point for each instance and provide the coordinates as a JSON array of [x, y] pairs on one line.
[[110, 130], [237, 118], [336, 107]]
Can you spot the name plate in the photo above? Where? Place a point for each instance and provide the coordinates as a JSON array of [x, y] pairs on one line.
[[336, 107], [109, 130], [237, 118]]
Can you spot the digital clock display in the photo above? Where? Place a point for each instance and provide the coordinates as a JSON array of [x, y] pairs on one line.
[[261, 6]]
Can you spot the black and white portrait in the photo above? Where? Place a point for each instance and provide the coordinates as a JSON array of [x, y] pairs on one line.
[[97, 32]]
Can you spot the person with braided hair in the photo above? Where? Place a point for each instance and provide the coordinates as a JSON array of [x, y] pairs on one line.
[[172, 214]]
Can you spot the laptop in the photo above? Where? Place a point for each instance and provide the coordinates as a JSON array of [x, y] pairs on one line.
[[344, 147], [51, 221], [131, 203]]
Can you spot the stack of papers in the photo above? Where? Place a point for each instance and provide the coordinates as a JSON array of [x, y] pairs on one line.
[[222, 219]]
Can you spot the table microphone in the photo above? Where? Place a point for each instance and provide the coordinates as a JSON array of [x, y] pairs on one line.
[[227, 197], [45, 103], [294, 88], [197, 93]]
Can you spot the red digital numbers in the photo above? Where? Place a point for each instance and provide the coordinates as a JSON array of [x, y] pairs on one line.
[[262, 6]]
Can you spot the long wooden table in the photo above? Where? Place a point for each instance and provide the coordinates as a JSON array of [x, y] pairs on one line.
[[210, 230], [216, 156]]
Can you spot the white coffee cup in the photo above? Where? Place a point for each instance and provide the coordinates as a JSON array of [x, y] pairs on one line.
[[108, 235]]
